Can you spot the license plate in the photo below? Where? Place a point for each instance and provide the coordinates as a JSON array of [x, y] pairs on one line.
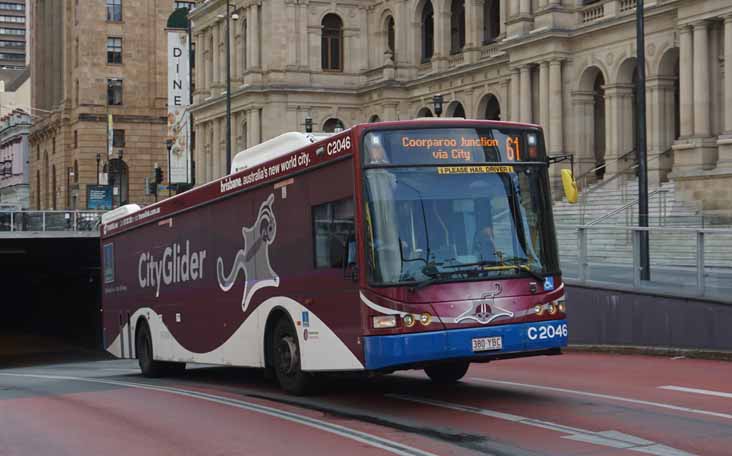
[[487, 343]]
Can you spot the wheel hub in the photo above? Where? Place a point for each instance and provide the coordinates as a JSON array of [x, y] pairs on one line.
[[288, 355]]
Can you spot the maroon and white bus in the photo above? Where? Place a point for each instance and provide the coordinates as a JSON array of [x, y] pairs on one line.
[[425, 244]]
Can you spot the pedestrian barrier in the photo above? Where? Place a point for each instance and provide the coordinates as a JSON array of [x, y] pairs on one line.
[[684, 262], [50, 221]]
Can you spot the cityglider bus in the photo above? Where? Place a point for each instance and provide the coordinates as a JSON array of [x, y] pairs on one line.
[[425, 244]]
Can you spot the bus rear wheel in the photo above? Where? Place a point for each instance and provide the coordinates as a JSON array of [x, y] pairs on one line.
[[149, 367], [448, 372], [286, 360]]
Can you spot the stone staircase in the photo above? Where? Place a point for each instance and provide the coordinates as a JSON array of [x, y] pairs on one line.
[[672, 248]]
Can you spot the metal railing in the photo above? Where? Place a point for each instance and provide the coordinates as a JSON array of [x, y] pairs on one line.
[[687, 262], [624, 173], [50, 221]]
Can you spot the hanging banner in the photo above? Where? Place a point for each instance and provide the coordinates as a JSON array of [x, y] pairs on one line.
[[179, 129], [110, 135]]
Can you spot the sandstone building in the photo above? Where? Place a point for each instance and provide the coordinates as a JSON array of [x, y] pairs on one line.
[[89, 59], [566, 64]]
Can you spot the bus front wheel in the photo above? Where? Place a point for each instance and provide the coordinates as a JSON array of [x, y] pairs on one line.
[[286, 360], [448, 372], [148, 365]]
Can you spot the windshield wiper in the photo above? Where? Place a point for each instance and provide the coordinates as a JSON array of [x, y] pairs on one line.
[[526, 268]]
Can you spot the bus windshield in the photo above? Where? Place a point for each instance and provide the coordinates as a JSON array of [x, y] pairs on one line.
[[426, 224]]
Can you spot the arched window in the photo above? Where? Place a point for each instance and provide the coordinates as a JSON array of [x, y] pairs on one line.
[[424, 112], [457, 26], [391, 35], [332, 43], [491, 20], [428, 32], [375, 118], [333, 125]]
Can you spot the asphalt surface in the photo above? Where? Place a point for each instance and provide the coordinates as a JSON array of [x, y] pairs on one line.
[[574, 404]]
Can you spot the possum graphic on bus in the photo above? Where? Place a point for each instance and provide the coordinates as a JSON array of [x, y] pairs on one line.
[[253, 259]]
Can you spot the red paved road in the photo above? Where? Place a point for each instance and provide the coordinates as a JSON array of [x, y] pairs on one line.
[[575, 404]]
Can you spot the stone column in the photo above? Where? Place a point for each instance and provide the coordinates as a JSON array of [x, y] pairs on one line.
[[725, 140], [525, 113], [556, 107], [660, 123], [583, 104], [216, 150], [542, 4], [256, 45], [503, 7], [473, 29], [441, 36], [200, 70], [292, 31], [234, 58], [524, 7], [216, 61], [514, 103], [304, 37], [544, 99], [701, 80], [619, 126], [198, 155], [686, 80]]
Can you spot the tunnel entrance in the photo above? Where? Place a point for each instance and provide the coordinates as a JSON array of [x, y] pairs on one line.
[[50, 295]]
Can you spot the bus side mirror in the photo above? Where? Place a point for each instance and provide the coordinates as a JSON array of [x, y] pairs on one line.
[[570, 186], [350, 268]]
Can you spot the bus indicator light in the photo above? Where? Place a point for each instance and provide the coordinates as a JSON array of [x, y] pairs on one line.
[[384, 321]]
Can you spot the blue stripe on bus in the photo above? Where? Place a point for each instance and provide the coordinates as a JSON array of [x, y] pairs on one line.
[[401, 349]]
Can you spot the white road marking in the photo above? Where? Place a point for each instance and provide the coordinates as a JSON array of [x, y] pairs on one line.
[[697, 391], [390, 446], [612, 439], [605, 396]]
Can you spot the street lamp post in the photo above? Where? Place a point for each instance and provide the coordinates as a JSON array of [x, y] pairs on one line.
[[228, 91], [229, 17], [308, 124], [640, 88], [437, 101]]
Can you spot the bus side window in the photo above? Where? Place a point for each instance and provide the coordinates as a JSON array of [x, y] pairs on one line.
[[109, 263], [333, 228]]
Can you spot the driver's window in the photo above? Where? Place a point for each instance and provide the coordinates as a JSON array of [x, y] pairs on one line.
[[333, 228]]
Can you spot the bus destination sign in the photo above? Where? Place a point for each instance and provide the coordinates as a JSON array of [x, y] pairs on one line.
[[452, 146]]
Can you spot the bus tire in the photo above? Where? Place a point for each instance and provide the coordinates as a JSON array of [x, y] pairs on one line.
[[149, 367], [448, 372], [286, 360]]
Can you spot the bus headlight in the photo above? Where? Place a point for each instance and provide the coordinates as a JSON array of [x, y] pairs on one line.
[[384, 321], [409, 320], [425, 319], [538, 309], [552, 308]]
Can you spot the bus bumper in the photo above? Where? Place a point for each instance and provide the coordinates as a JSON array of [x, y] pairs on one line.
[[409, 349]]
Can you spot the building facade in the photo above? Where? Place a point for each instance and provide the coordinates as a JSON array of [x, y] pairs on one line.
[[14, 191], [13, 34], [93, 59], [568, 65]]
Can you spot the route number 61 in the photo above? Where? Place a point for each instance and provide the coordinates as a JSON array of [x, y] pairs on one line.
[[547, 332]]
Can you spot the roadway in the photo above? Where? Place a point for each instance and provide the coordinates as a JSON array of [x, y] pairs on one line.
[[575, 404]]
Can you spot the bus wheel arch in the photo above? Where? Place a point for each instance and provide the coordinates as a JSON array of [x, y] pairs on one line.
[[144, 350], [284, 353]]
